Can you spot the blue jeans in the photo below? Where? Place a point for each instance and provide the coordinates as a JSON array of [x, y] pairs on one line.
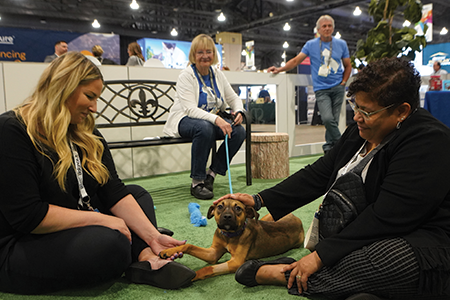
[[329, 102], [203, 134]]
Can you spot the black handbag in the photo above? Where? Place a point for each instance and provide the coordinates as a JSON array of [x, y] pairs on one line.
[[343, 203], [346, 198], [225, 115]]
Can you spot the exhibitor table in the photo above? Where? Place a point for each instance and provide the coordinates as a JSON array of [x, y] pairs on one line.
[[438, 104]]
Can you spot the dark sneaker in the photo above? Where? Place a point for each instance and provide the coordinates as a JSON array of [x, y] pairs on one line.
[[209, 183], [200, 192]]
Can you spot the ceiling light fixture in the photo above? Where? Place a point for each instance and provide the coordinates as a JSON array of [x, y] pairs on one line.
[[96, 24], [357, 11], [289, 0], [285, 45], [286, 27], [134, 4], [221, 17], [406, 23], [444, 31], [174, 32], [338, 35]]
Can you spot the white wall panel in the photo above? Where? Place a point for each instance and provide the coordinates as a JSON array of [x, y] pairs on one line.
[[20, 80]]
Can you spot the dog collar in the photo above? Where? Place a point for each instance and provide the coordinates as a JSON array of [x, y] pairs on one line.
[[235, 233]]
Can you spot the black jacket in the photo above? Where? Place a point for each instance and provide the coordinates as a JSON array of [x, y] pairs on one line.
[[407, 186]]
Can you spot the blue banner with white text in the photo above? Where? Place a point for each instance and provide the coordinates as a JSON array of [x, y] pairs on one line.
[[30, 45]]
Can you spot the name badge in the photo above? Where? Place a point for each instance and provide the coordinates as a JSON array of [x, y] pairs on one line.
[[324, 71]]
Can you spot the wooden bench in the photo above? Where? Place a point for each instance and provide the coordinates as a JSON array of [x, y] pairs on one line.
[[146, 103]]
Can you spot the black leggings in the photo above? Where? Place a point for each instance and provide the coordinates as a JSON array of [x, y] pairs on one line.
[[73, 258]]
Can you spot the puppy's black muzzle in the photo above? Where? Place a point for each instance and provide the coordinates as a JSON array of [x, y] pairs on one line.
[[227, 221]]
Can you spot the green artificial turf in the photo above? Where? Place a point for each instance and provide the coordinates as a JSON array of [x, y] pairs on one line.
[[171, 196]]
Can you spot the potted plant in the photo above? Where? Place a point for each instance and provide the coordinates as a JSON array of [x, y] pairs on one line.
[[387, 41]]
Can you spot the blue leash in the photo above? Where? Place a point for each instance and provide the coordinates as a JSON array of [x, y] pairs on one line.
[[228, 164]]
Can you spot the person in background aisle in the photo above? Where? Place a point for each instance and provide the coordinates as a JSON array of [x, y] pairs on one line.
[[437, 69], [264, 94], [135, 53], [198, 112], [97, 51], [329, 78], [66, 219], [60, 48], [398, 247]]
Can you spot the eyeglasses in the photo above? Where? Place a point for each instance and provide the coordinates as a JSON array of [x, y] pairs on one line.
[[201, 53], [366, 115]]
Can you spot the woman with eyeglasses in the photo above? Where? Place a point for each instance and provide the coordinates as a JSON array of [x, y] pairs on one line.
[[198, 112], [398, 247]]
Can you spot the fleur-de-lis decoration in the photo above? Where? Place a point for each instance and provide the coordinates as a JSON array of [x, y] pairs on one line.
[[143, 103]]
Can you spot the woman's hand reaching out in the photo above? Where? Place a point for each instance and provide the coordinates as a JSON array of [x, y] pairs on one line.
[[163, 242]]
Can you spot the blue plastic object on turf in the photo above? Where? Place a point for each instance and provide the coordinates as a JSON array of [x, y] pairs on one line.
[[196, 216]]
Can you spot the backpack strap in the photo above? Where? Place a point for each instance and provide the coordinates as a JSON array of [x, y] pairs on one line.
[[358, 169]]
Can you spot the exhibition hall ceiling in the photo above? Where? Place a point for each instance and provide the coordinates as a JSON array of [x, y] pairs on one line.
[[261, 21]]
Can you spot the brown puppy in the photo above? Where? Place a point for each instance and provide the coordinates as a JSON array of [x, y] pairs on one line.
[[241, 234]]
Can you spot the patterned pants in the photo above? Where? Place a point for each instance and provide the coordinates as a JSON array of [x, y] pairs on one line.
[[386, 268]]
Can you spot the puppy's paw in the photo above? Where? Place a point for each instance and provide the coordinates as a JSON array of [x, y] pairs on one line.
[[168, 253]]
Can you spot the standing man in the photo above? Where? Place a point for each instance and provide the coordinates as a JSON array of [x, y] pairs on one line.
[[60, 48], [437, 69], [329, 78]]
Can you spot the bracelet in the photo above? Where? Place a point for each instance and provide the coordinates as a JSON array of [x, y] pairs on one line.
[[258, 202]]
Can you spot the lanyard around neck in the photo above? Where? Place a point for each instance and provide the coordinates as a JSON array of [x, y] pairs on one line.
[[212, 91], [321, 52], [84, 201]]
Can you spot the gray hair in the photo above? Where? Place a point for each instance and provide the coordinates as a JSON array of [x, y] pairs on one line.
[[324, 17]]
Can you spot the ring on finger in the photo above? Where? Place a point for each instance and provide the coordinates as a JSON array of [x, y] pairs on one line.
[[299, 277]]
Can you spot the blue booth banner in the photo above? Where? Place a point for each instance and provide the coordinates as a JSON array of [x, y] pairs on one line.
[[173, 54], [110, 44], [31, 45], [437, 52]]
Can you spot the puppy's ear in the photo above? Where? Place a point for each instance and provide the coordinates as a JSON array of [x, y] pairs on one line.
[[211, 211], [251, 212]]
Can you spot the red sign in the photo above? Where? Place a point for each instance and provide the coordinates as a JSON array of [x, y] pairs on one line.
[[306, 61]]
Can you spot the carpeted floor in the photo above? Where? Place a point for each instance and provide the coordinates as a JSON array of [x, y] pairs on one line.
[[171, 196]]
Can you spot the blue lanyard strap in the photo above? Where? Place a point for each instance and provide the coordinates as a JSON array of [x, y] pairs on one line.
[[228, 164]]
